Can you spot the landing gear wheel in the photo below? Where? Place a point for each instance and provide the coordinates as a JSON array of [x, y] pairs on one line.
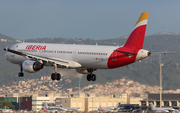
[[20, 74], [93, 77], [88, 77], [58, 76], [53, 76]]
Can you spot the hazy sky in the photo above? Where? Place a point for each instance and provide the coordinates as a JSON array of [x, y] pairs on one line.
[[95, 19]]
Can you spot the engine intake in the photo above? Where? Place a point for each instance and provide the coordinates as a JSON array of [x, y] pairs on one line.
[[31, 66]]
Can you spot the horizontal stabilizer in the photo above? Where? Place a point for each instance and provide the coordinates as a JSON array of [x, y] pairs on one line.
[[126, 52], [158, 53]]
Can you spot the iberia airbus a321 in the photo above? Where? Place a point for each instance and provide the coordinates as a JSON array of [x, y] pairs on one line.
[[32, 57]]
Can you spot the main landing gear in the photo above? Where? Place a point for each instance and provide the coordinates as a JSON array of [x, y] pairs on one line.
[[55, 76], [21, 74], [91, 77]]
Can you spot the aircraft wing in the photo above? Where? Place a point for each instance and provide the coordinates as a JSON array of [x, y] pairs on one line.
[[107, 109], [162, 111], [61, 62]]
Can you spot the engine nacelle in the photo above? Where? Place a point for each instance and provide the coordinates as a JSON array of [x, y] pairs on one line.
[[31, 66], [84, 70]]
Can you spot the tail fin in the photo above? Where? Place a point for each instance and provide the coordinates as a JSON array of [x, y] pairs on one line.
[[100, 108], [61, 105], [45, 105], [117, 105], [136, 38], [152, 106]]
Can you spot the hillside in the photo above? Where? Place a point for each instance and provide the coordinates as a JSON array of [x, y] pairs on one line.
[[146, 72]]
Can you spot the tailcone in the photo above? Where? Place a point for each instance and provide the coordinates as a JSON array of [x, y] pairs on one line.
[[142, 54]]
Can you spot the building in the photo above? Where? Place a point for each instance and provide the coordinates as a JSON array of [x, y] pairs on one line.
[[94, 103], [91, 102], [27, 103], [72, 102], [37, 102], [167, 100], [19, 103], [86, 102]]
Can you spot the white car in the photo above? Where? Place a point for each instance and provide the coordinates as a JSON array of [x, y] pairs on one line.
[[6, 110]]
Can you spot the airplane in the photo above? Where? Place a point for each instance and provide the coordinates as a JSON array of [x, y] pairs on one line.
[[47, 108], [163, 109], [71, 109], [109, 109], [52, 110], [45, 104], [86, 59]]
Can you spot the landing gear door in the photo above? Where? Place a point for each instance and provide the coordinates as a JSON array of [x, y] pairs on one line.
[[114, 56]]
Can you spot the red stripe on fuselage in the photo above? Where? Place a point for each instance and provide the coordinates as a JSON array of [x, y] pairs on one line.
[[118, 59]]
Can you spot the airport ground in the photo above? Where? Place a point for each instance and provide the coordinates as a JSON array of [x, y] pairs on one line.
[[89, 104], [85, 112]]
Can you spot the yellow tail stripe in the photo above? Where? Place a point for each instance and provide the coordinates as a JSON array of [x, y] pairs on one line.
[[144, 16]]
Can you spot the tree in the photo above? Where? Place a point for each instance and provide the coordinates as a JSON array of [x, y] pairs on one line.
[[5, 104], [1, 104], [8, 104]]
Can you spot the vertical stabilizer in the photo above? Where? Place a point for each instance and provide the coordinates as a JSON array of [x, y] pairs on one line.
[[118, 105], [100, 108], [136, 38], [61, 105], [152, 106], [45, 105]]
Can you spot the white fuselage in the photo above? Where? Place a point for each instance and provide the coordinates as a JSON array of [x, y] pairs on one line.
[[89, 56], [77, 56]]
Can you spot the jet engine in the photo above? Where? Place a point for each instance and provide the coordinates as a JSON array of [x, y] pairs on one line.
[[31, 66], [84, 70]]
